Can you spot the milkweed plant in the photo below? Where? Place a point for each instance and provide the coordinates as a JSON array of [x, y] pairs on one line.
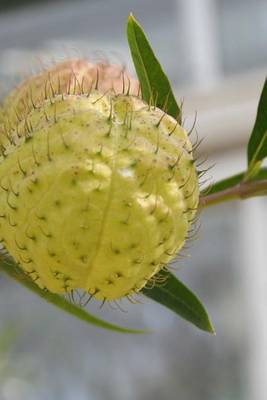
[[100, 185]]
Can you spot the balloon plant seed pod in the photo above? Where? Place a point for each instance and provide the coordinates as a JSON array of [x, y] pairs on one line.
[[98, 189]]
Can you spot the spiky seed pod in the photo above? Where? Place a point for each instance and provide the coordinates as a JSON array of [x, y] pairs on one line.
[[66, 78], [97, 190]]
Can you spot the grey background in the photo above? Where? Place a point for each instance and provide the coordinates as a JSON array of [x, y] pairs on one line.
[[45, 354]]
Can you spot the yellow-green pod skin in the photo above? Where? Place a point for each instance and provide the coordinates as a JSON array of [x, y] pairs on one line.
[[97, 193]]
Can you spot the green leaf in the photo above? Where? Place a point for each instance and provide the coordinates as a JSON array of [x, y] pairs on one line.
[[11, 269], [154, 83], [257, 146], [174, 295]]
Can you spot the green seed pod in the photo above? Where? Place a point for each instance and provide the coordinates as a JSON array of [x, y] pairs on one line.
[[97, 191]]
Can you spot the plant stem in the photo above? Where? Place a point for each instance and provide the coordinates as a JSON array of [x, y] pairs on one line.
[[241, 191]]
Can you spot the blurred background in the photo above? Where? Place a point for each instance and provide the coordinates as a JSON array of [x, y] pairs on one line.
[[214, 52]]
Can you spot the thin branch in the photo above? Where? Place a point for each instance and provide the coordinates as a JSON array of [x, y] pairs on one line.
[[241, 191]]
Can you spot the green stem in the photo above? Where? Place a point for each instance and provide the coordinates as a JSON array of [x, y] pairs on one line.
[[240, 191]]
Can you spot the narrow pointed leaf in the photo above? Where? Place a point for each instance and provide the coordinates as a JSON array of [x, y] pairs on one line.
[[154, 83], [174, 295], [257, 146], [12, 270]]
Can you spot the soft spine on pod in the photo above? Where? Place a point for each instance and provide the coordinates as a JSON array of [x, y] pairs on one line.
[[98, 189]]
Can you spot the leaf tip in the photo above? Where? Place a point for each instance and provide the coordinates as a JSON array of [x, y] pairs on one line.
[[207, 325], [131, 18], [210, 328], [133, 21]]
